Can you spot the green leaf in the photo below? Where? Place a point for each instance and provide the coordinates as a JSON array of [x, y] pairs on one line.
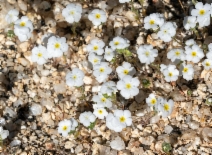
[[10, 33], [166, 147], [92, 125]]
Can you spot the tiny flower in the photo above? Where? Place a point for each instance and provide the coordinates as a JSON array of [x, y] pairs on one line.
[[125, 69], [101, 71], [194, 53], [64, 127], [100, 113], [113, 123], [128, 86], [39, 55], [147, 54], [75, 78], [108, 88], [175, 54], [12, 16], [124, 117], [151, 100], [202, 12], [72, 12], [119, 43], [86, 118], [207, 63], [101, 101], [23, 28], [170, 73], [190, 42], [189, 22], [94, 59], [187, 71], [167, 31], [124, 1], [165, 107], [97, 17], [3, 133], [56, 46], [153, 21], [96, 46], [109, 54]]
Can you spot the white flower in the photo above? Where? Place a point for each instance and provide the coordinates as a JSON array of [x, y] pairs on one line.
[[165, 107], [189, 22], [39, 55], [125, 69], [153, 21], [117, 144], [190, 43], [101, 101], [94, 59], [75, 78], [119, 43], [23, 28], [72, 12], [109, 53], [12, 16], [86, 118], [56, 46], [96, 45], [187, 71], [202, 12], [108, 88], [124, 1], [3, 133], [147, 54], [175, 54], [65, 126], [170, 73], [207, 63], [100, 113], [194, 53], [97, 17], [121, 119], [101, 71], [167, 31], [151, 100], [128, 86]]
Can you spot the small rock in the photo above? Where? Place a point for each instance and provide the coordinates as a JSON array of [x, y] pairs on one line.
[[23, 46], [23, 61], [15, 143], [168, 129], [155, 119], [60, 88], [36, 109], [78, 149], [87, 80], [193, 125], [22, 5], [117, 144], [49, 145], [9, 111]]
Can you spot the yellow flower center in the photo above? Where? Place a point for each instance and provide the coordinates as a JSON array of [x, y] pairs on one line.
[[40, 55], [103, 99], [95, 60], [116, 43], [65, 128], [72, 12], [100, 111], [22, 24], [101, 70], [57, 45], [95, 48], [201, 12], [98, 16], [185, 70], [207, 64], [177, 53], [122, 119], [170, 74], [151, 22], [194, 53], [74, 77], [128, 86], [147, 53], [125, 71], [166, 107], [165, 31], [153, 101]]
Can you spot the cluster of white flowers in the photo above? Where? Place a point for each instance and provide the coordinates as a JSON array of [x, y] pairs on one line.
[[56, 46], [161, 105]]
